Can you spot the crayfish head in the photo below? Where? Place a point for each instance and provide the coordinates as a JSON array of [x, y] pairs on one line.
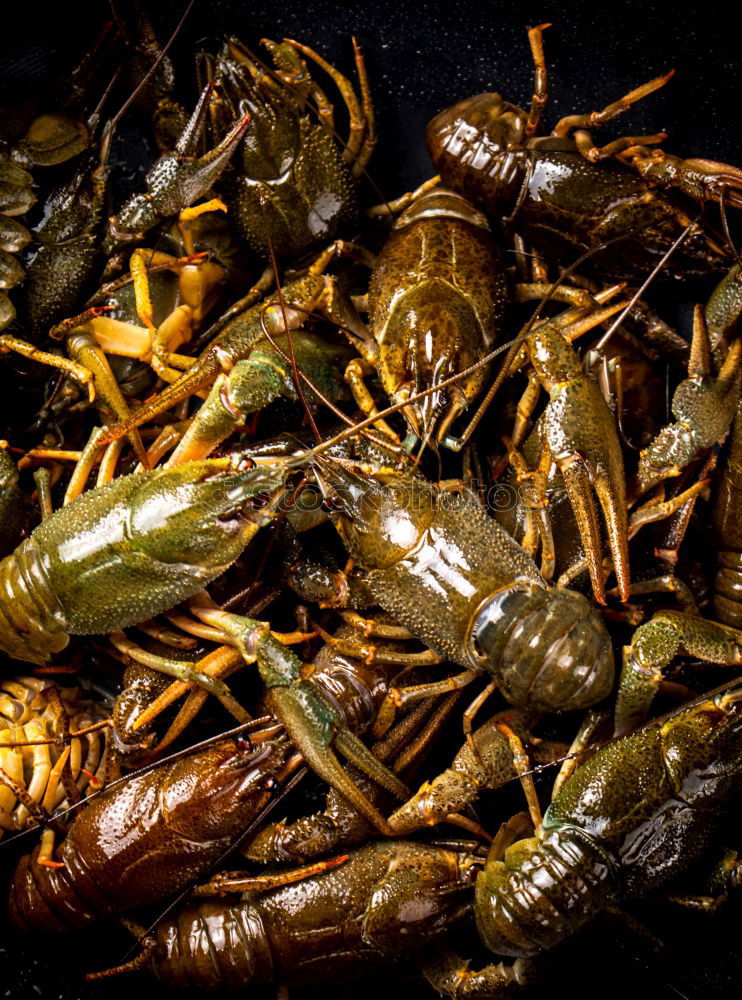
[[433, 333], [215, 794], [379, 514], [194, 516]]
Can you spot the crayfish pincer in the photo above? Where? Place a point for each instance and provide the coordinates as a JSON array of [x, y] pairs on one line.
[[462, 585], [176, 180], [125, 551]]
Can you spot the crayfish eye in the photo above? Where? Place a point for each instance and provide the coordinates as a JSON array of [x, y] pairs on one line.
[[732, 707], [259, 501], [332, 504]]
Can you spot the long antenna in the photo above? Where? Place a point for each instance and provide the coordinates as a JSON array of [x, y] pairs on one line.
[[643, 287], [289, 340]]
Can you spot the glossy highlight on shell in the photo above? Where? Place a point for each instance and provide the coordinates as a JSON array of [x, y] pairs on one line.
[[371, 561]]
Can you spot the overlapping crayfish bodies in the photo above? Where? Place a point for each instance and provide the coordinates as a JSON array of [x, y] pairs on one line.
[[436, 305], [568, 196], [519, 900], [459, 582], [51, 139], [411, 562], [474, 145], [123, 552], [388, 900]]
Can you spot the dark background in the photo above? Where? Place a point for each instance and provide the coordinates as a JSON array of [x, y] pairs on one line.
[[422, 57]]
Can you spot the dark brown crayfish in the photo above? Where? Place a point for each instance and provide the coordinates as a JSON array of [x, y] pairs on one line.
[[568, 196]]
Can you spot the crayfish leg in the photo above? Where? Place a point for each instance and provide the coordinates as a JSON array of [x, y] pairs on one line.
[[595, 118], [77, 372], [362, 134], [540, 94], [236, 882], [310, 719], [653, 648], [450, 975], [85, 350]]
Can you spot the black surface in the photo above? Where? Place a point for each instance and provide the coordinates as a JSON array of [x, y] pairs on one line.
[[422, 57]]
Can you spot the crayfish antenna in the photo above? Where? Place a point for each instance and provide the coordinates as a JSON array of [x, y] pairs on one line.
[[290, 343], [146, 943]]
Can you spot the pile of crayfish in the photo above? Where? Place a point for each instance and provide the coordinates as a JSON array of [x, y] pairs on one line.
[[364, 605]]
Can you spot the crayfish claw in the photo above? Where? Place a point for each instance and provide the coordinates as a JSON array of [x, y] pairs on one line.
[[177, 179], [579, 480], [580, 433], [577, 483], [187, 142], [700, 179]]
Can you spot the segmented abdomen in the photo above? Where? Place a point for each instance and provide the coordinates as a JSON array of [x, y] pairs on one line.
[[543, 892], [547, 647], [32, 624], [16, 198], [483, 172], [55, 899], [209, 945]]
